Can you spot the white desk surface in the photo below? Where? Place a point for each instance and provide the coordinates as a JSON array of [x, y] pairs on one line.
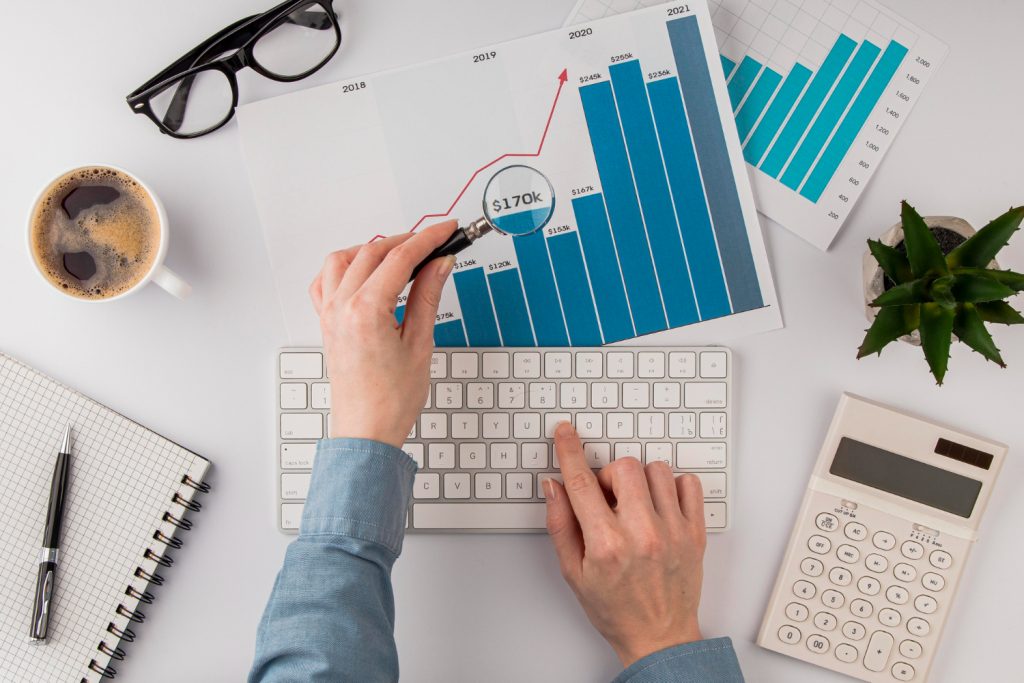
[[479, 608]]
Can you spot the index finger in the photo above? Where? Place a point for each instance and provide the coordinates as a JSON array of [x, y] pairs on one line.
[[392, 276], [585, 494]]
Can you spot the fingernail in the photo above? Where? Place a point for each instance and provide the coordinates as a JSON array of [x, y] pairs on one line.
[[447, 263], [564, 429], [549, 490]]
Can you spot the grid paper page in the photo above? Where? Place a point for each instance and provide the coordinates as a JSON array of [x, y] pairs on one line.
[[122, 481]]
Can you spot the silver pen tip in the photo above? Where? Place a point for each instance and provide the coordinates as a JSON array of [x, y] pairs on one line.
[[65, 442]]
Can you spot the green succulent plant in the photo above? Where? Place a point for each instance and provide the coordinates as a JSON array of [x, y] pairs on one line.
[[941, 295]]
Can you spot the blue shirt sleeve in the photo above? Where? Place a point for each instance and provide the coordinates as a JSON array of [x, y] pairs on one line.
[[703, 661]]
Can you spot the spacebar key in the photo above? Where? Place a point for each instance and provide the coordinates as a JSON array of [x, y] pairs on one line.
[[479, 515]]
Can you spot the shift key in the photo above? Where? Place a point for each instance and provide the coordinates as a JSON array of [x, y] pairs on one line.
[[704, 394]]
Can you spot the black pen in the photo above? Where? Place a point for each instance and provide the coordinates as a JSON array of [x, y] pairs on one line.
[[46, 579]]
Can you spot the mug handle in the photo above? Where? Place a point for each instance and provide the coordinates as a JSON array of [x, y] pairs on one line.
[[171, 283]]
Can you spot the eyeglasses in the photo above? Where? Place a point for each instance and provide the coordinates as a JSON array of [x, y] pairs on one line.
[[199, 93]]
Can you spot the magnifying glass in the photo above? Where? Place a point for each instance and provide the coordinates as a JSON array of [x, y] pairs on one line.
[[518, 200]]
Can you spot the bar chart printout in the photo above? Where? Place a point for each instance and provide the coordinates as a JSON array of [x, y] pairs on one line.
[[653, 227], [819, 89]]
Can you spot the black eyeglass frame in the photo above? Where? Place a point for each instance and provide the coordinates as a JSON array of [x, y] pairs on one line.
[[239, 39]]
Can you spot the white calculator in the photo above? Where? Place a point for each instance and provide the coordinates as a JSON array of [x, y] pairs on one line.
[[880, 543]]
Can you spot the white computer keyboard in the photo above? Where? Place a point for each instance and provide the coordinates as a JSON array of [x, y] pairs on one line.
[[483, 440]]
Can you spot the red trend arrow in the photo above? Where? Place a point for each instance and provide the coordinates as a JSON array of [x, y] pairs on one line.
[[562, 78]]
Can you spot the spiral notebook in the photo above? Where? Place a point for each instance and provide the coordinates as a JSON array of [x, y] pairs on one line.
[[128, 497]]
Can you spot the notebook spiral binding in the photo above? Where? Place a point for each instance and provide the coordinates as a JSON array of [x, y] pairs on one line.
[[111, 650]]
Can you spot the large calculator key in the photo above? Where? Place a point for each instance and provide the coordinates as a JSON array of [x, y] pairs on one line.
[[797, 612], [811, 566], [302, 366], [940, 559], [818, 643], [291, 515], [918, 626], [911, 649], [715, 516], [877, 654], [804, 589], [846, 653], [933, 581], [819, 544], [789, 634], [902, 671]]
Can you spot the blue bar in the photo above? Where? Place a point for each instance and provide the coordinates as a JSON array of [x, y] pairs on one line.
[[854, 120], [655, 199], [477, 313], [574, 288], [400, 314], [450, 333], [609, 290], [539, 283], [763, 90], [716, 168], [727, 65], [514, 321], [777, 112], [830, 114], [741, 80], [688, 193], [623, 207], [808, 106], [522, 222]]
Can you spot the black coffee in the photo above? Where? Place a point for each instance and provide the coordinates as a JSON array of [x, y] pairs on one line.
[[95, 233]]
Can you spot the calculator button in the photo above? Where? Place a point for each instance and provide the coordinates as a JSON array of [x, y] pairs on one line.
[[933, 581], [833, 598], [926, 604], [897, 595], [804, 589], [847, 553], [902, 671], [911, 649], [877, 653], [826, 522], [818, 643], [797, 612], [840, 576], [912, 550], [855, 531], [825, 621], [883, 540], [889, 617], [876, 563], [862, 608], [819, 544], [940, 559], [811, 566], [846, 653], [869, 585], [789, 634], [918, 626], [854, 630], [904, 572]]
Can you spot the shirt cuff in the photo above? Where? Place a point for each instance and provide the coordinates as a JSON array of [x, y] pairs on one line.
[[703, 661], [360, 489]]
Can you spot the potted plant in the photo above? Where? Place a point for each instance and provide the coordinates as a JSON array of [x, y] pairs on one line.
[[930, 280]]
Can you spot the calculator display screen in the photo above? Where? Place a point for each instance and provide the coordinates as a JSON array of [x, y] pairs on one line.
[[905, 477]]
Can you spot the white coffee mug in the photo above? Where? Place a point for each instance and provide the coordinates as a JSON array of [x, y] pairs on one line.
[[158, 272]]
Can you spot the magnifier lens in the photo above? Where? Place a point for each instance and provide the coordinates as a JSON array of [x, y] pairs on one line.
[[519, 200]]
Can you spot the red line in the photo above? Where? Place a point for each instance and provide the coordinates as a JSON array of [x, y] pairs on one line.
[[562, 77]]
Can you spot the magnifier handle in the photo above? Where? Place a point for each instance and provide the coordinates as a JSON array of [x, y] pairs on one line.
[[456, 243]]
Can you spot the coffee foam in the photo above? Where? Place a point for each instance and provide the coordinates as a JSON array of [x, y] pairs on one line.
[[122, 236]]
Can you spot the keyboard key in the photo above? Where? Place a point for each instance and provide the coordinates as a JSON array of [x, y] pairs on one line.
[[597, 455], [573, 395], [496, 365], [551, 420], [650, 364], [713, 364], [526, 365], [654, 452], [511, 395], [558, 365], [302, 365], [295, 485], [504, 456], [650, 425], [627, 450], [291, 515], [434, 425], [302, 426], [590, 425], [713, 483], [619, 365], [426, 485], [535, 456], [519, 485], [712, 425], [589, 365], [487, 485], [704, 394], [877, 652], [620, 425], [456, 485], [682, 364], [321, 396], [667, 394], [465, 365], [415, 451], [604, 395], [542, 395], [526, 426], [496, 425], [480, 395], [465, 426], [472, 456], [441, 456], [479, 515], [636, 395], [297, 456], [715, 516], [293, 396], [698, 456], [682, 425], [438, 366]]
